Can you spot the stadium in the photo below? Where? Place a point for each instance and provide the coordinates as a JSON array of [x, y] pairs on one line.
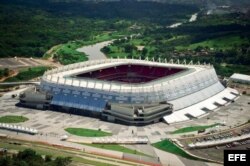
[[132, 91]]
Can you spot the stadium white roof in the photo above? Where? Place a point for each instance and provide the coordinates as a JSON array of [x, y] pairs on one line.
[[196, 110], [63, 75]]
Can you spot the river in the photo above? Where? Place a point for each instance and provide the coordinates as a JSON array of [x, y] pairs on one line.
[[94, 51], [192, 19]]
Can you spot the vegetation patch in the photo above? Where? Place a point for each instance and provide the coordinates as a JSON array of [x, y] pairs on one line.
[[12, 119], [193, 128], [29, 157], [168, 146], [220, 43], [4, 72], [118, 148], [87, 132], [229, 69], [50, 152], [28, 74], [68, 54]]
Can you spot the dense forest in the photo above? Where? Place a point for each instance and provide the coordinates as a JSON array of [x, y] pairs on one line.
[[222, 40], [30, 28]]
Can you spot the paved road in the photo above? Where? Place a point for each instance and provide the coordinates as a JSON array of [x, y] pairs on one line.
[[20, 83]]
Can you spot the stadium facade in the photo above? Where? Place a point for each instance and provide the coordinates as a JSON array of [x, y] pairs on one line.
[[133, 91]]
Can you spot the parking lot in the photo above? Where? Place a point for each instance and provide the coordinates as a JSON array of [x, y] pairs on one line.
[[216, 152]]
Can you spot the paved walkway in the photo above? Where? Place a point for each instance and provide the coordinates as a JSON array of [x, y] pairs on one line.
[[52, 123]]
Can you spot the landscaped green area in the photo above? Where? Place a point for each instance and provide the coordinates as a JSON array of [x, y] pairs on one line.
[[12, 119], [170, 147], [87, 132], [28, 74], [118, 148], [193, 128]]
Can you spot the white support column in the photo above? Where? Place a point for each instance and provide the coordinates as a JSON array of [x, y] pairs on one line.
[[87, 83], [190, 63], [171, 61], [102, 85], [159, 59], [184, 62], [94, 84]]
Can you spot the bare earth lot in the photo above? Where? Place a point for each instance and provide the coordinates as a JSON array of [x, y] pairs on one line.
[[13, 63]]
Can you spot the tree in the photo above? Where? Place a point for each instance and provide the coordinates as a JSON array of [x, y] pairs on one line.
[[6, 72], [129, 48], [29, 157], [6, 161], [106, 49], [60, 161], [144, 51], [48, 158]]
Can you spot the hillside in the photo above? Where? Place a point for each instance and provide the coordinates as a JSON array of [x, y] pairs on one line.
[[30, 28]]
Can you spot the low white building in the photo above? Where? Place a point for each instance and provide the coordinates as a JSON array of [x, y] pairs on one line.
[[240, 78]]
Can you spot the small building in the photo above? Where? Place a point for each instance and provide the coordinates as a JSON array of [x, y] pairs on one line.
[[240, 78]]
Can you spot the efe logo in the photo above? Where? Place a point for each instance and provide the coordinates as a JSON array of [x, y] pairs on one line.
[[236, 158]]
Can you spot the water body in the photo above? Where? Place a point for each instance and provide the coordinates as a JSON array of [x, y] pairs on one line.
[[175, 25], [192, 19], [94, 51]]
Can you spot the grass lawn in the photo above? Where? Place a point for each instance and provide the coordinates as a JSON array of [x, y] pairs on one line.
[[118, 148], [170, 147], [87, 132], [12, 119], [28, 74], [193, 128]]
